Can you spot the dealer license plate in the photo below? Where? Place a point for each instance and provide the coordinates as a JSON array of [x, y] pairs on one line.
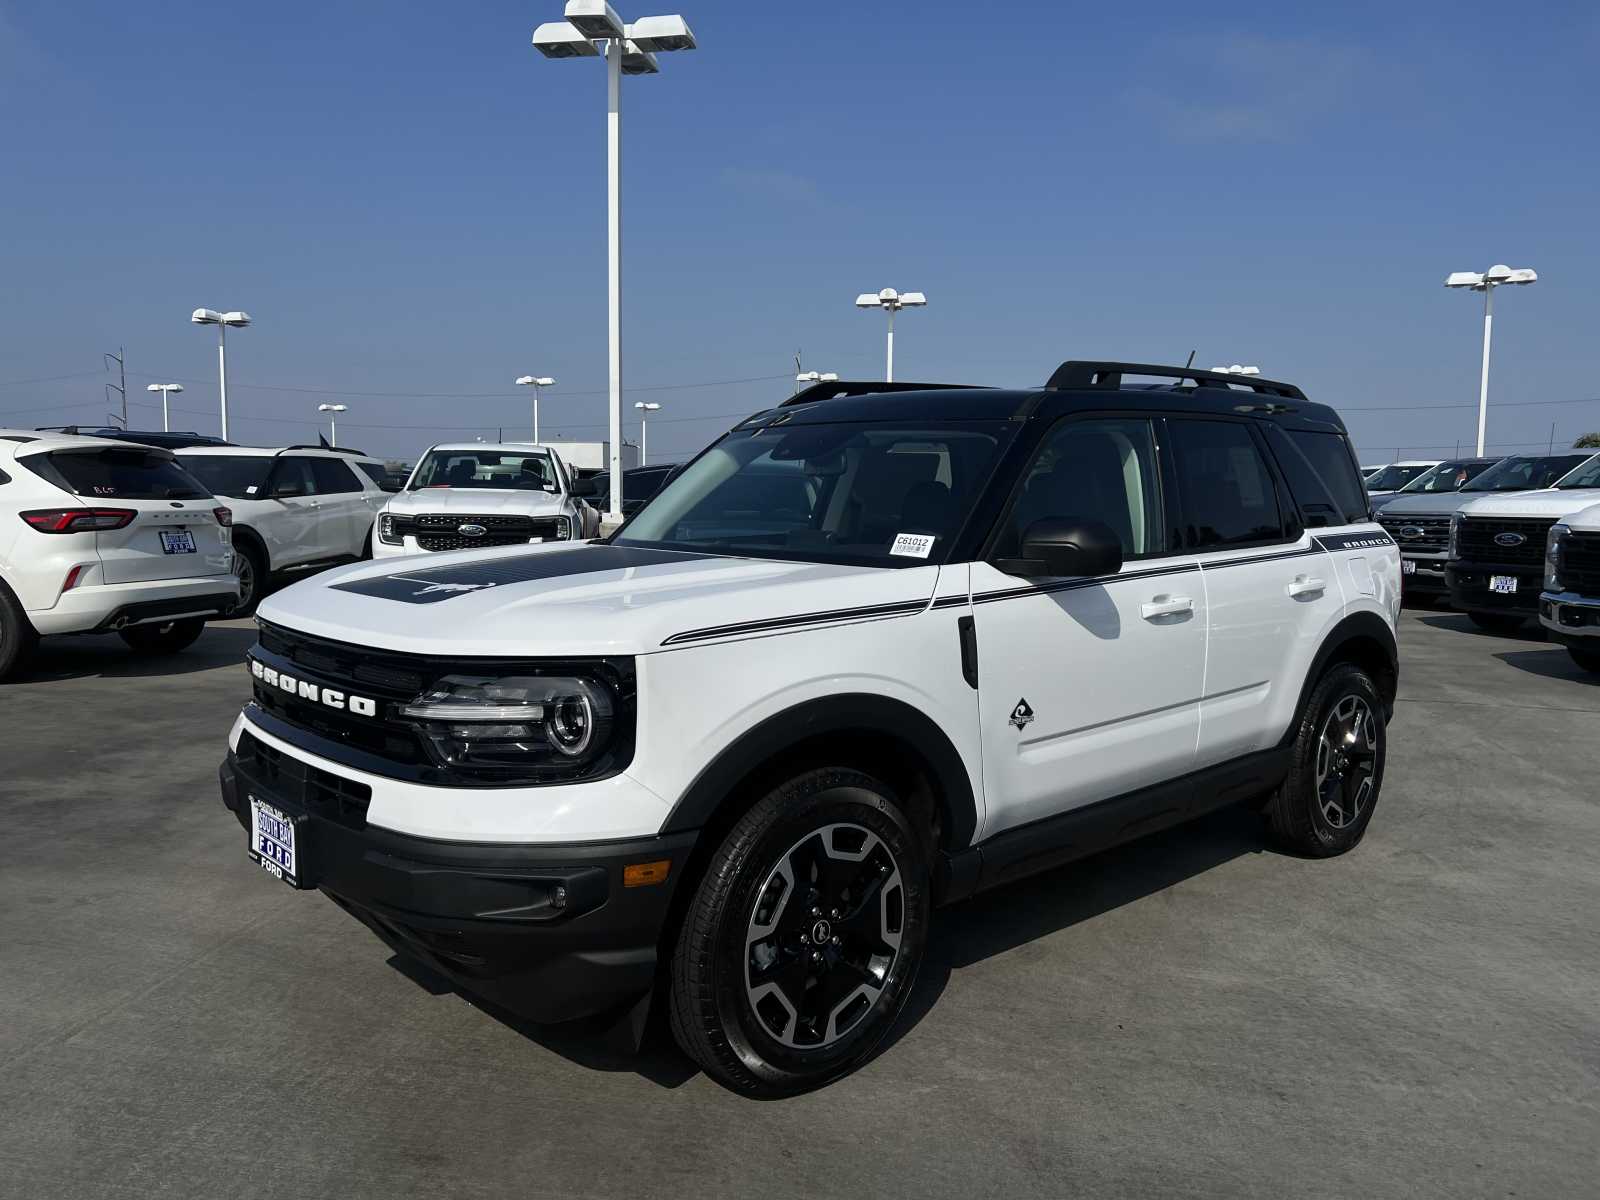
[[275, 842], [177, 541], [1504, 584], [1408, 566]]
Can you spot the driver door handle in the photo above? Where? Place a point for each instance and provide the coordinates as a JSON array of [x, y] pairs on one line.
[[1167, 606], [1305, 585]]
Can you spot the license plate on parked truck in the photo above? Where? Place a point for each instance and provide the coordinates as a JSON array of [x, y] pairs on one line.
[[177, 541], [275, 842], [1504, 584]]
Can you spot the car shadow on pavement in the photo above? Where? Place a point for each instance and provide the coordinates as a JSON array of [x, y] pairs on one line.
[[1529, 631], [1554, 663], [105, 656]]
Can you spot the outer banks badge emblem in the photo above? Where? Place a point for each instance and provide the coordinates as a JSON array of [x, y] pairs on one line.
[[1022, 713]]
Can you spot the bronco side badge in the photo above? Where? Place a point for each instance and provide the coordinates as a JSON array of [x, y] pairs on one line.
[[1021, 714]]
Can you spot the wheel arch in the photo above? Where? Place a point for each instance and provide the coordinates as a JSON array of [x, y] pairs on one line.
[[1366, 640], [246, 535]]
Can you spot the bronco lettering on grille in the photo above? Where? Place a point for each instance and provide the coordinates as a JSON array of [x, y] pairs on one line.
[[361, 706]]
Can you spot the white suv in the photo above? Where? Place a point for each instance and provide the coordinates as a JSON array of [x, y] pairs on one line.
[[1570, 605], [864, 655], [99, 536], [294, 509], [474, 495]]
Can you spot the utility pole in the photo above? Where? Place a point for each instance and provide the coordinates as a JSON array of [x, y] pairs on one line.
[[122, 374]]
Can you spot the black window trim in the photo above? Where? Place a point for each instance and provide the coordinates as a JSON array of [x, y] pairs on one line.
[[1287, 507]]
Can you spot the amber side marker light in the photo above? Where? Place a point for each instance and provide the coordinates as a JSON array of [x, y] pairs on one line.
[[646, 873]]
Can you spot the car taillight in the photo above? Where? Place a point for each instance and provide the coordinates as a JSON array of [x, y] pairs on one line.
[[224, 516], [77, 520], [73, 576]]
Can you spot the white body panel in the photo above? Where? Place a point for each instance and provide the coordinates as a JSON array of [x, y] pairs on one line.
[[1585, 520]]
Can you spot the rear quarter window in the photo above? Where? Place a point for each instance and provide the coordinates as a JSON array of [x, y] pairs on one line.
[[118, 474], [1324, 466]]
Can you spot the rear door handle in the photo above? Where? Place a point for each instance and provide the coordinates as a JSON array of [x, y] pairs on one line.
[[1305, 585], [1167, 606]]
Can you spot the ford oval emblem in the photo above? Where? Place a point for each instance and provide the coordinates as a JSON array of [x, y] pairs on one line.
[[1411, 531], [1509, 539], [471, 530]]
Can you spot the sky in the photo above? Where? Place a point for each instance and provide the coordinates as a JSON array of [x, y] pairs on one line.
[[410, 202]]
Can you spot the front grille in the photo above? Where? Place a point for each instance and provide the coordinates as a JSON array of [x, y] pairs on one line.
[[1420, 535], [1475, 541], [1580, 564], [441, 531], [319, 792]]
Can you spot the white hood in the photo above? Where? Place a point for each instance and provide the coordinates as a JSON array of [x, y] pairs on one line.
[[1545, 502], [588, 599], [478, 500], [1587, 519]]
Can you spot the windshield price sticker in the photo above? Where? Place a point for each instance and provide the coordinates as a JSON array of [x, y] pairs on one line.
[[912, 545]]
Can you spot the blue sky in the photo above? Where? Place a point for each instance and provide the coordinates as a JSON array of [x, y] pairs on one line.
[[410, 202]]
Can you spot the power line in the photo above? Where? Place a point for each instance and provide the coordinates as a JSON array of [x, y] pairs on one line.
[[50, 379]]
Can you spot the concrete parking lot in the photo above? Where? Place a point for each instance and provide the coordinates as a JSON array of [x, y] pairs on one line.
[[1195, 1014]]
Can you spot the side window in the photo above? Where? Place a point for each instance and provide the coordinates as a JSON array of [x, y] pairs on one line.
[[1099, 470], [292, 477], [373, 472], [1227, 494], [333, 477], [1328, 458]]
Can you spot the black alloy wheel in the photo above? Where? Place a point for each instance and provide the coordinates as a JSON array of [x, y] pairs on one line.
[[1325, 804]]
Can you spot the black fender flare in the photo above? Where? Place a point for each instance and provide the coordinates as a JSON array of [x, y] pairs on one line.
[[915, 732], [1357, 627]]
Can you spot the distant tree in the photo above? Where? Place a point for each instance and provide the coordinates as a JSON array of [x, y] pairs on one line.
[[1589, 441]]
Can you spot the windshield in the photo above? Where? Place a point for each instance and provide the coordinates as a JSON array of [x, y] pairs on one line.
[[1392, 478], [1523, 472], [229, 474], [1446, 477], [877, 495], [494, 469], [1586, 476], [118, 474]]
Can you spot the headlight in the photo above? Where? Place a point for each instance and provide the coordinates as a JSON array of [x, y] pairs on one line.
[[520, 725], [386, 530], [563, 529], [1455, 532], [1553, 548]]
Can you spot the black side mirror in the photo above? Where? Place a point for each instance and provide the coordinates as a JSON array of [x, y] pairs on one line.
[[1066, 546], [586, 489]]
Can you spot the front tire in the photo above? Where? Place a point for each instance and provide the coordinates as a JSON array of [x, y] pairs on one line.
[[1336, 770], [169, 638], [18, 638], [802, 941], [1587, 657]]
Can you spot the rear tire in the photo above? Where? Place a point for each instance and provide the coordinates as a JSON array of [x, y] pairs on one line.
[[803, 939], [1496, 622], [169, 638], [1336, 770], [18, 638], [1587, 657]]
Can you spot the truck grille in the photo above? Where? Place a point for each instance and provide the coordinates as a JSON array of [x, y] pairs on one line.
[[1476, 540], [1580, 564], [321, 792], [441, 531], [1421, 535]]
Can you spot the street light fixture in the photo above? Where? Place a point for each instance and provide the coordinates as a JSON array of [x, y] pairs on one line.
[[333, 421], [644, 429], [1486, 282], [164, 388], [238, 320], [816, 377], [535, 382], [891, 302], [1236, 369], [629, 50]]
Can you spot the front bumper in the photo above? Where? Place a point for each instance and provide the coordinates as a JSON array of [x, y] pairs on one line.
[[1426, 576], [117, 605], [1571, 619], [1469, 588], [548, 931]]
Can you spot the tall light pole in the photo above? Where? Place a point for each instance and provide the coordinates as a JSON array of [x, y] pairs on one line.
[[164, 388], [891, 302], [535, 382], [1486, 282], [207, 316], [629, 50], [644, 430], [1236, 369], [333, 420]]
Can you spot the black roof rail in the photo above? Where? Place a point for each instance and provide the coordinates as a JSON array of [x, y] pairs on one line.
[[1074, 374], [329, 449], [835, 388]]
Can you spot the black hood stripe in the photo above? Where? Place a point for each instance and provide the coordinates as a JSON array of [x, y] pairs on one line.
[[431, 584]]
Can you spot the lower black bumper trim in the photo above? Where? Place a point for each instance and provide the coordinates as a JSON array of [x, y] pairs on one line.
[[212, 604]]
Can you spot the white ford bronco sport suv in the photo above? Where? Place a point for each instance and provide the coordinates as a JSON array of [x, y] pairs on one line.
[[864, 655], [101, 536], [1570, 605], [299, 508], [476, 494]]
